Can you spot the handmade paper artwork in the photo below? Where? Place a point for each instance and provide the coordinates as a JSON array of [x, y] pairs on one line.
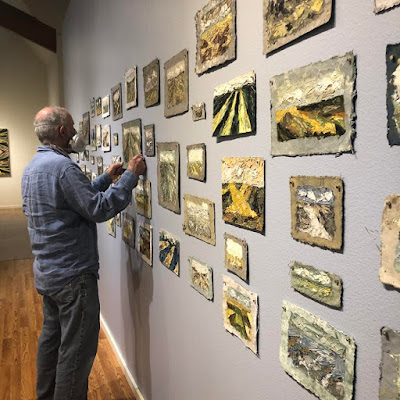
[[145, 242], [118, 219], [94, 176], [93, 141], [389, 273], [317, 355], [317, 210], [89, 175], [77, 157], [111, 227], [92, 107], [312, 108], [115, 139], [201, 278], [198, 111], [196, 161], [82, 154], [199, 218], [92, 160], [86, 127], [99, 160], [98, 106], [116, 159], [169, 251], [116, 99], [215, 34], [393, 93], [131, 139], [316, 284], [176, 90], [98, 136], [236, 256], [168, 176], [106, 106], [285, 21], [131, 87], [5, 167], [106, 138], [83, 169], [151, 82], [240, 312], [234, 110], [384, 5], [143, 198], [149, 142], [86, 155], [128, 230], [243, 192]]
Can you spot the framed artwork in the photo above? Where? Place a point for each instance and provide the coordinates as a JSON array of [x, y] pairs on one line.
[[215, 34], [143, 198], [106, 106], [201, 278], [316, 355], [168, 176], [99, 160], [198, 111], [86, 155], [83, 169], [383, 5], [93, 141], [131, 87], [118, 220], [86, 127], [151, 83], [287, 21], [106, 138], [111, 227], [236, 256], [131, 139], [176, 90], [115, 139], [128, 230], [94, 176], [89, 175], [393, 93], [240, 312], [317, 210], [149, 141], [116, 97], [98, 106], [92, 160], [82, 154], [243, 193], [76, 155], [196, 161], [312, 108], [92, 107], [234, 110], [146, 242], [116, 159], [98, 136], [169, 251], [5, 166]]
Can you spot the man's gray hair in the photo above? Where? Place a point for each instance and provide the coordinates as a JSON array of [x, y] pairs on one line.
[[46, 126]]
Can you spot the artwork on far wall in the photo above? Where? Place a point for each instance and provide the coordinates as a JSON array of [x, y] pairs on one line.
[[106, 138], [201, 278], [115, 139], [236, 256], [98, 136], [92, 107], [105, 104], [131, 139], [312, 108], [86, 127], [243, 193], [240, 312], [198, 111], [98, 106], [383, 5], [118, 219], [92, 160], [86, 155], [146, 242], [116, 101], [94, 176], [317, 210], [116, 159], [393, 93], [128, 230], [143, 198], [288, 20], [89, 175], [99, 160], [5, 167], [93, 141], [318, 356], [111, 223], [131, 87], [234, 110], [196, 161], [151, 83], [176, 85], [215, 34], [169, 251], [149, 141]]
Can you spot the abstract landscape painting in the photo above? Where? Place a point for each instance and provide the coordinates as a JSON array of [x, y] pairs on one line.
[[169, 251], [128, 230], [105, 103], [5, 168], [243, 193], [393, 93], [111, 223], [116, 99], [151, 82], [317, 210], [106, 138], [146, 242], [312, 108], [86, 127], [215, 34], [383, 5], [234, 110], [143, 198], [236, 256], [131, 139], [198, 111], [131, 87], [240, 312], [317, 355], [149, 141], [196, 161], [201, 278]]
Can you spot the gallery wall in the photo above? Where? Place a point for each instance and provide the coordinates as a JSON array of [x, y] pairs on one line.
[[172, 338]]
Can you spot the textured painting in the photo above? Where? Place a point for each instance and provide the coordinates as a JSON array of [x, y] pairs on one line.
[[92, 160], [86, 127], [215, 34], [243, 193], [317, 210], [98, 106], [176, 85], [116, 159], [115, 139], [106, 138], [131, 139], [98, 136], [92, 107], [285, 21], [199, 218], [317, 355], [168, 176], [131, 87], [316, 284], [383, 5], [389, 388], [99, 161], [83, 169], [169, 251], [86, 155], [234, 110], [118, 219], [111, 227], [128, 230], [312, 108], [198, 111], [94, 176], [93, 141], [390, 242], [146, 242], [151, 82], [196, 161], [236, 256], [149, 142], [89, 175], [116, 99], [201, 278], [393, 93], [143, 198], [105, 103], [240, 312], [5, 167]]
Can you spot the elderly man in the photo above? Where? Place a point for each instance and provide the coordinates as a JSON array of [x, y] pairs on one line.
[[63, 207]]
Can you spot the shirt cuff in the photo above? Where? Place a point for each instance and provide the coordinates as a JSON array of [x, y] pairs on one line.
[[129, 180]]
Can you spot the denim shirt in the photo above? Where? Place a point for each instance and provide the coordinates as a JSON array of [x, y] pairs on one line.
[[63, 207]]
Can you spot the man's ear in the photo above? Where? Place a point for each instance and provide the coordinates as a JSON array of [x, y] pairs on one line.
[[63, 132]]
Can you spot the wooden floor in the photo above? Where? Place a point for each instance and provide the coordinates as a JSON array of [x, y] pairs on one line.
[[20, 325]]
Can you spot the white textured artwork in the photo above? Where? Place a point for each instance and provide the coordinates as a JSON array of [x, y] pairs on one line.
[[131, 87], [382, 5]]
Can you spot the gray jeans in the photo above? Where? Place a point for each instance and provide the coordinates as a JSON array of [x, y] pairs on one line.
[[68, 342]]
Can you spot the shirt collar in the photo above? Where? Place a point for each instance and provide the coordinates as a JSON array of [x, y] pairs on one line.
[[52, 147]]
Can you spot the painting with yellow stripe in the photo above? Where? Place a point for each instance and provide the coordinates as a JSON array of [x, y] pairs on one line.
[[169, 251], [235, 107], [5, 169]]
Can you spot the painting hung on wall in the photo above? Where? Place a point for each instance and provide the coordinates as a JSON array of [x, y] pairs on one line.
[[76, 155], [106, 138], [5, 167], [176, 90], [243, 192], [128, 230], [317, 210], [116, 98], [235, 107], [393, 93], [111, 227], [149, 142], [116, 159], [151, 82], [312, 108], [317, 355], [240, 312], [201, 278], [105, 103], [383, 5], [98, 106], [168, 176], [115, 139], [99, 160], [131, 139], [131, 87], [169, 251], [94, 176], [236, 256], [92, 160], [215, 34], [285, 21], [86, 127], [92, 107], [196, 161], [198, 111], [98, 136], [89, 175], [199, 218], [86, 155], [93, 142], [143, 198], [118, 219], [83, 169], [146, 242]]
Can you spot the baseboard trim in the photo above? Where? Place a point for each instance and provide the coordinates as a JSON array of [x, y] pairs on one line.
[[131, 381], [6, 207]]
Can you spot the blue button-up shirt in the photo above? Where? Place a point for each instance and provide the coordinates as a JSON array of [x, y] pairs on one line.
[[62, 209]]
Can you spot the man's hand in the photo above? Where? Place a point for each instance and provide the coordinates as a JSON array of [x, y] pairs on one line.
[[115, 170], [137, 165]]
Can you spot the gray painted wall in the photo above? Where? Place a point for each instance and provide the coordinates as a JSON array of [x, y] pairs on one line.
[[171, 337]]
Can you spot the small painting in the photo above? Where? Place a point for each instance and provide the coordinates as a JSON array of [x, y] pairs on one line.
[[82, 154], [98, 106], [169, 251], [111, 227], [92, 160], [116, 98], [115, 139], [86, 127], [131, 139], [98, 136], [236, 256], [92, 107], [199, 218], [86, 155], [94, 176], [128, 230], [131, 87], [196, 161], [83, 169], [393, 93], [116, 159], [106, 138], [235, 107], [5, 167], [317, 355], [93, 142], [146, 242], [201, 278], [176, 90], [243, 194], [151, 82], [118, 220], [106, 106], [384, 5], [149, 142], [76, 155], [89, 175], [99, 160], [317, 210], [143, 198], [240, 312], [198, 111]]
